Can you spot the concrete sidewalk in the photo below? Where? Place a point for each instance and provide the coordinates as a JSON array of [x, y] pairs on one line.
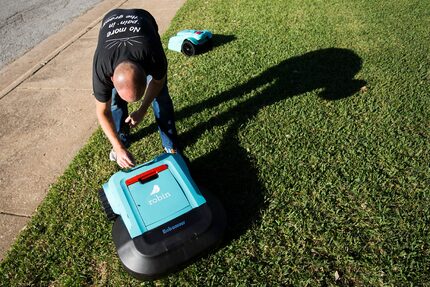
[[47, 111]]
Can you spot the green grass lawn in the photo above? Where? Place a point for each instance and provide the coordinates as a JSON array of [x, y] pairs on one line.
[[309, 119]]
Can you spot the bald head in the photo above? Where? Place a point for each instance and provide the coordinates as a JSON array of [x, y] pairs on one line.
[[129, 80]]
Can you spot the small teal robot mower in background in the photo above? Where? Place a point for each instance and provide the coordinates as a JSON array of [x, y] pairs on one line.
[[161, 217], [191, 42]]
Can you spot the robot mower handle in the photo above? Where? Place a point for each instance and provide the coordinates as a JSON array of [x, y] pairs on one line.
[[147, 175]]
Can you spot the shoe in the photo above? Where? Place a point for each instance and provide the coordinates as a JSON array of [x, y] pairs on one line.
[[112, 155]]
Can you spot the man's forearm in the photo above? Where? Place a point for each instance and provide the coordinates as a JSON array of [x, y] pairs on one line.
[[106, 122], [152, 91]]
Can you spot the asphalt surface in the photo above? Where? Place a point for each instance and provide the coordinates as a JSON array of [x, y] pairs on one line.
[[24, 24]]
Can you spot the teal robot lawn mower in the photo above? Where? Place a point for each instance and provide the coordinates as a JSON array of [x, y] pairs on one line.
[[161, 218], [191, 42]]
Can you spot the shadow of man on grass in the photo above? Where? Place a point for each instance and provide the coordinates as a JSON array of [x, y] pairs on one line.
[[230, 172]]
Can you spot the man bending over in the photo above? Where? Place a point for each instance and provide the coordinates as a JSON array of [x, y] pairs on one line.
[[129, 65]]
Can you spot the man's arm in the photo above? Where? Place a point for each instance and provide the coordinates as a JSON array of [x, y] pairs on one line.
[[104, 116], [152, 91]]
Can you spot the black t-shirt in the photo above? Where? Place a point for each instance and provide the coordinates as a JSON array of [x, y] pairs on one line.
[[126, 34]]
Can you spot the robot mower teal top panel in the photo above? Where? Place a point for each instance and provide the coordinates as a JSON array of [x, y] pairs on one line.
[[159, 198], [153, 193]]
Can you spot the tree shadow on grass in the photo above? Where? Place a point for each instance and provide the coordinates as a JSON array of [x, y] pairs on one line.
[[229, 171]]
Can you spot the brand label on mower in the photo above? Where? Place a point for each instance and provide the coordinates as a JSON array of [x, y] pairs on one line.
[[171, 228], [159, 198], [156, 197], [155, 189]]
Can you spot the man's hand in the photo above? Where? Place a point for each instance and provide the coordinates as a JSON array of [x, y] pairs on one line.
[[124, 158], [135, 118], [152, 91]]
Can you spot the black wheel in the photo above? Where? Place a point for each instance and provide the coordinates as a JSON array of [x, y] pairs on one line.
[[106, 206], [188, 48]]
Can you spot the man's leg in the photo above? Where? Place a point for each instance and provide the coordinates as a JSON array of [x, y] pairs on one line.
[[164, 116], [119, 114]]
